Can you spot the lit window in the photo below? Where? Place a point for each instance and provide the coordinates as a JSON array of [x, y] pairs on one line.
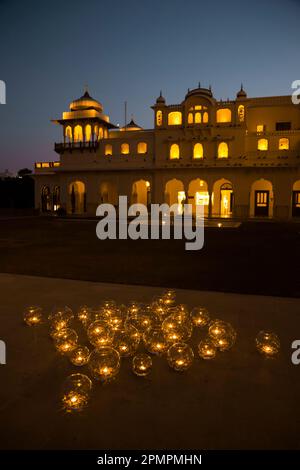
[[198, 118], [100, 133], [190, 118], [108, 149], [56, 164], [175, 118], [260, 128], [262, 144], [45, 165], [38, 165], [205, 117], [198, 151], [198, 106], [159, 118], [78, 134], [224, 115], [241, 113], [125, 149], [105, 133], [223, 150], [142, 147], [284, 144], [174, 152], [68, 132], [88, 132]]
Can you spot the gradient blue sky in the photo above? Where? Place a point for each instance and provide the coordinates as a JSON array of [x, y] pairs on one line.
[[129, 50]]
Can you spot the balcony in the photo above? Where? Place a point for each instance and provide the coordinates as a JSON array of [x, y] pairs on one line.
[[70, 146]]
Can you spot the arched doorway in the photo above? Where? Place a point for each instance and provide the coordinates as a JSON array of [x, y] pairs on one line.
[[261, 199], [46, 202], [77, 198], [222, 198], [56, 198], [108, 193], [174, 193], [198, 195], [141, 192], [296, 199]]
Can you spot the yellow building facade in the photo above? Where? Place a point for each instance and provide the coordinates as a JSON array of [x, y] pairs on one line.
[[240, 158]]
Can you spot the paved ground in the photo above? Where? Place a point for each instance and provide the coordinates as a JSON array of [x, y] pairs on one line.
[[240, 400], [256, 258]]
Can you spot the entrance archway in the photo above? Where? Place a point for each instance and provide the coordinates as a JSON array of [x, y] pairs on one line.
[[56, 198], [77, 198], [141, 192], [174, 193], [46, 202], [261, 199], [198, 195], [296, 199], [108, 193], [222, 198]]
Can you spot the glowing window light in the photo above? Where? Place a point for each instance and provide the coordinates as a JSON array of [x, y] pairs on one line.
[[262, 144], [159, 117], [142, 147], [198, 106], [88, 132], [198, 151], [108, 149], [223, 150], [284, 144], [78, 134], [174, 152], [175, 118], [190, 118], [260, 128], [205, 117], [241, 113], [224, 115], [198, 118], [68, 132], [125, 149]]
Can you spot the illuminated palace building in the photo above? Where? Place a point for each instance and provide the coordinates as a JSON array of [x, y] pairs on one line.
[[240, 158]]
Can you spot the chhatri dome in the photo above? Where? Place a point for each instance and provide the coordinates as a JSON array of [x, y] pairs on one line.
[[131, 126], [86, 102], [241, 93], [160, 99]]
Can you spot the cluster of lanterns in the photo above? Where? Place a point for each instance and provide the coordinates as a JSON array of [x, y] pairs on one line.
[[113, 332]]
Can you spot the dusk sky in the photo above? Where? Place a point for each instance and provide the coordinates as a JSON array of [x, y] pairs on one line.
[[130, 51]]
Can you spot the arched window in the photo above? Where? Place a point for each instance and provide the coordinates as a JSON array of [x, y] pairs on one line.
[[198, 118], [78, 134], [105, 133], [224, 115], [223, 150], [262, 144], [46, 199], [56, 198], [175, 118], [198, 151], [174, 152], [159, 117], [124, 149], [100, 133], [284, 143], [68, 133], [190, 118], [241, 113], [205, 117], [142, 147], [88, 132], [108, 149]]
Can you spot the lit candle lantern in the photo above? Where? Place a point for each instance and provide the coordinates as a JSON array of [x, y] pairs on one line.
[[80, 356], [224, 342], [33, 316], [200, 317], [207, 349], [180, 356], [267, 343], [142, 365], [76, 392], [104, 363], [155, 341], [218, 328], [84, 315], [67, 341], [126, 341], [100, 333]]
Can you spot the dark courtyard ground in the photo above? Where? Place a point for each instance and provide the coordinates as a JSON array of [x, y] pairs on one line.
[[256, 258]]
